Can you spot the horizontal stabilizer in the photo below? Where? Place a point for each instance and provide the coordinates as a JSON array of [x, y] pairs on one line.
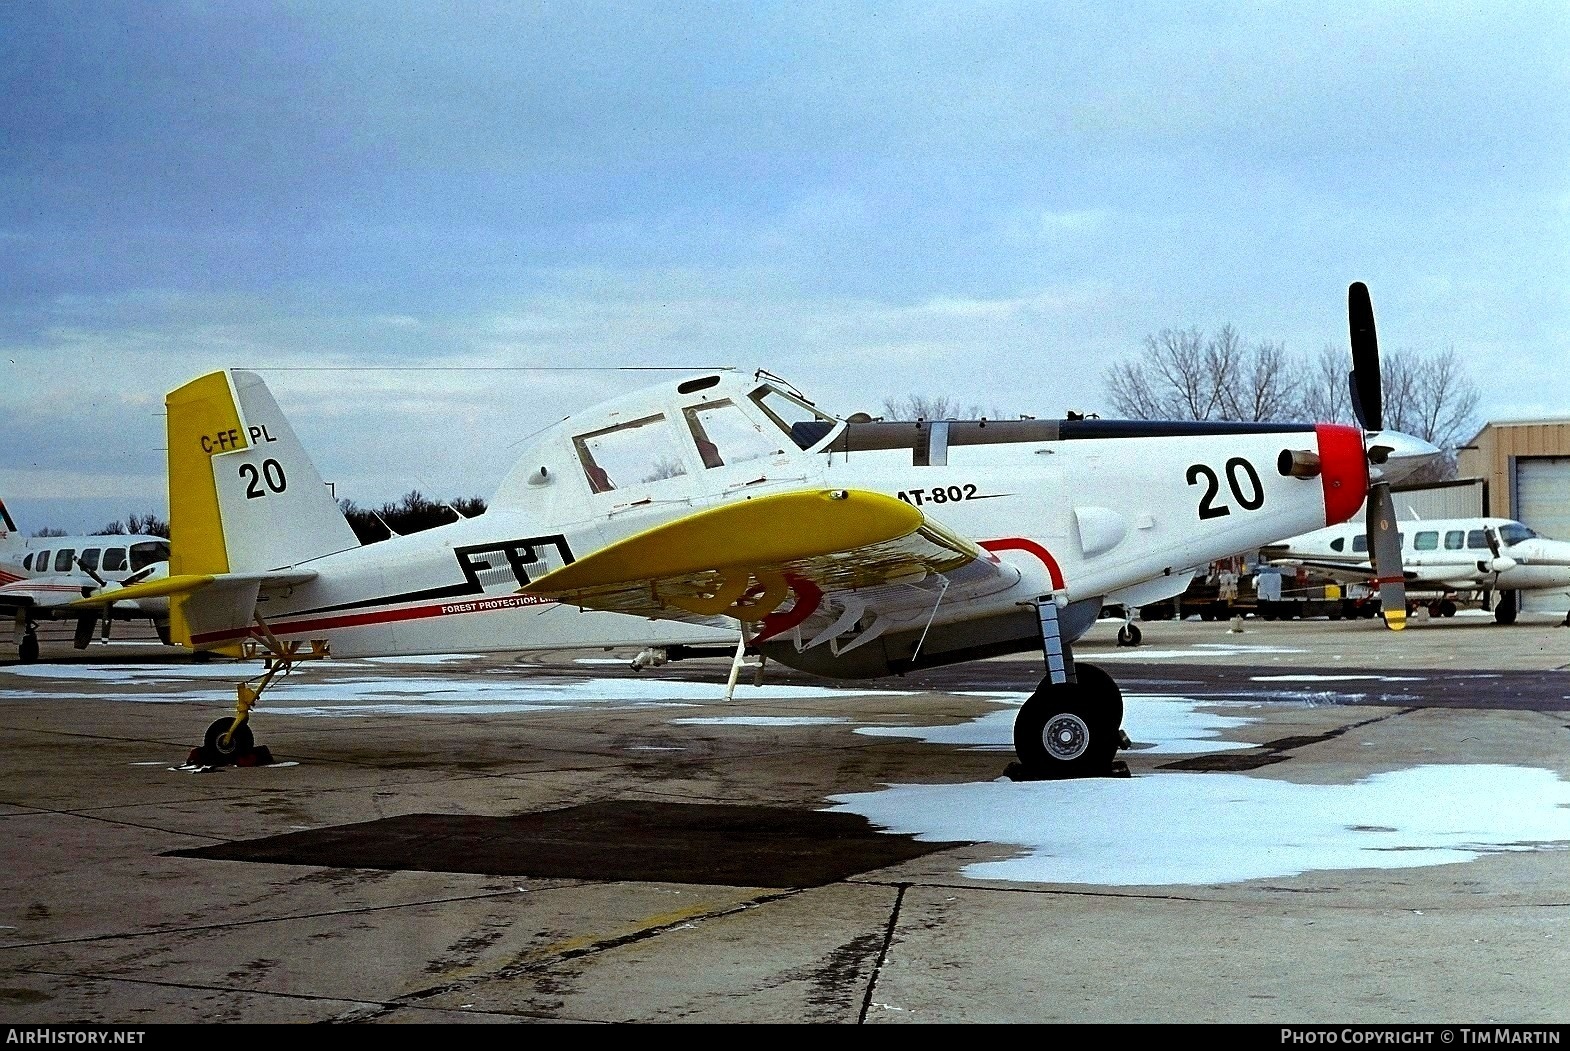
[[186, 583]]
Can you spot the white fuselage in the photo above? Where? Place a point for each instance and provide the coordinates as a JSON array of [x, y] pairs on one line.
[[1448, 553], [40, 575], [1084, 520]]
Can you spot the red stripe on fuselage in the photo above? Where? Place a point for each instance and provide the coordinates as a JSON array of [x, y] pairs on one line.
[[1343, 470], [372, 617], [1015, 543]]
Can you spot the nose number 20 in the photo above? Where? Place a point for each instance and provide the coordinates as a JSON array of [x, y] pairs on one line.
[[1242, 479]]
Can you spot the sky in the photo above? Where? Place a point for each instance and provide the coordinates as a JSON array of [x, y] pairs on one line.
[[436, 228]]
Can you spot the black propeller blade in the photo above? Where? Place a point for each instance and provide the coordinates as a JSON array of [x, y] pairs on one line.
[[1367, 398], [1384, 539], [84, 630], [1384, 544], [84, 624]]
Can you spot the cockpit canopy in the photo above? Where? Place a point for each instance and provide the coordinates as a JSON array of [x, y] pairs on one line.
[[659, 441], [708, 426]]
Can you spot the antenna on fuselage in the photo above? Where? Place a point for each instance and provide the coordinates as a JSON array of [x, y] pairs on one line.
[[391, 532]]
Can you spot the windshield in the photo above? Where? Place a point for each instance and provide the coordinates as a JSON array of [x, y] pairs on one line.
[[1514, 533], [805, 425], [147, 553]]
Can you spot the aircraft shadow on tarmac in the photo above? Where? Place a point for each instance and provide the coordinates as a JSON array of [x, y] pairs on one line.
[[739, 846]]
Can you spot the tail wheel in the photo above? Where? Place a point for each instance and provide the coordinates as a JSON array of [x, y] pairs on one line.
[[242, 740]]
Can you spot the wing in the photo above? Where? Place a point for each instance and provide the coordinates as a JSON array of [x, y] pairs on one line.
[[15, 603], [1352, 571], [779, 562]]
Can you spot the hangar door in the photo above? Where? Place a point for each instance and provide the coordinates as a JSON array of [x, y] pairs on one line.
[[1542, 500]]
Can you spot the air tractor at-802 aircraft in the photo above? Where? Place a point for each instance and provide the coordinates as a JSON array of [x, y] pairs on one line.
[[728, 507]]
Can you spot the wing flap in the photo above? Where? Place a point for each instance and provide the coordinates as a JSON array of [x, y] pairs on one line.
[[749, 559]]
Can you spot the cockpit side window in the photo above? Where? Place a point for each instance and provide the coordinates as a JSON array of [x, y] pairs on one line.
[[1514, 532], [145, 554], [805, 425], [630, 454], [725, 435]]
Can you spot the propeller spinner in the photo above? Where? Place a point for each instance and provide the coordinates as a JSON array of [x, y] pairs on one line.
[[1384, 539]]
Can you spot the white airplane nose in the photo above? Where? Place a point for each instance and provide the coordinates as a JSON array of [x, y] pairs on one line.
[[1393, 456]]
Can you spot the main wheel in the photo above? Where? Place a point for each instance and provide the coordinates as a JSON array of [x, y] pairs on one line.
[[1504, 613], [1101, 690], [1068, 729], [242, 740], [27, 649]]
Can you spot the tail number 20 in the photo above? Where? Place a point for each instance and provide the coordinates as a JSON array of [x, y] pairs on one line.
[[270, 476], [1242, 479]]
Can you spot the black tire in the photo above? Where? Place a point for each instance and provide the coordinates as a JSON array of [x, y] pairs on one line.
[[1504, 613], [1065, 731], [1129, 635], [1102, 689], [1447, 608], [242, 740], [27, 649]]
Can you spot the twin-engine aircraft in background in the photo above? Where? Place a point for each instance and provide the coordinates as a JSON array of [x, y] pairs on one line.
[[41, 577], [1498, 556], [728, 507]]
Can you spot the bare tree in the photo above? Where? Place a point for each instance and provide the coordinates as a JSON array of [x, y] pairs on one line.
[[1182, 375], [1265, 384], [1326, 393], [1185, 376], [415, 512], [1433, 399], [933, 407]]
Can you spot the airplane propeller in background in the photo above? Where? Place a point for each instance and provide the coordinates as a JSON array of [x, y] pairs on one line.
[[1384, 539], [1501, 561], [86, 622]]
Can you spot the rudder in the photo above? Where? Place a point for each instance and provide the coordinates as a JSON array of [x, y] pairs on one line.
[[244, 497]]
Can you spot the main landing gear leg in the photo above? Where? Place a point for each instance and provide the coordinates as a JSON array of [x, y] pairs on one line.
[[1072, 725], [229, 741]]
